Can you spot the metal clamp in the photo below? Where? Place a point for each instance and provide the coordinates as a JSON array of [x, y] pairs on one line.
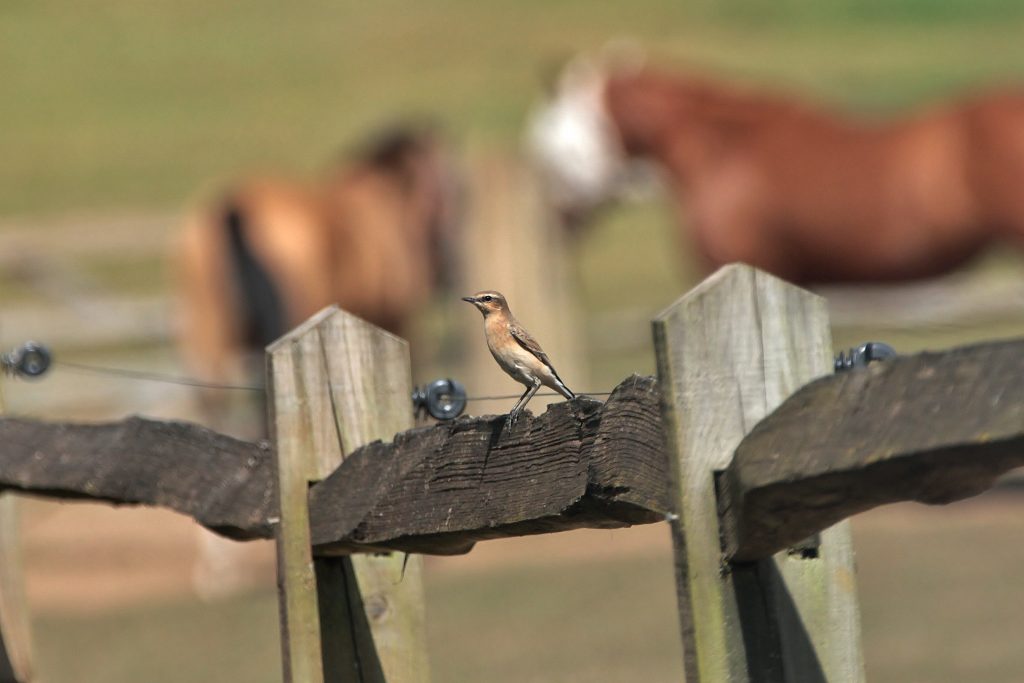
[[442, 399], [31, 360], [863, 355]]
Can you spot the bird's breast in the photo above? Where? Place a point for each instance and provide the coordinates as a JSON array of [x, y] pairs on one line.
[[510, 355]]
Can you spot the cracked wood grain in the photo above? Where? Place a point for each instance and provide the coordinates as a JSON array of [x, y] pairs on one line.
[[933, 427], [440, 489]]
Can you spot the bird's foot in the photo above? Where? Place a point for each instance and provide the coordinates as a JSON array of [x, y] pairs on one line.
[[511, 419]]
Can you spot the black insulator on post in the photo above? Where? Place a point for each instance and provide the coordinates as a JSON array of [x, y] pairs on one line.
[[30, 360], [863, 355], [442, 399]]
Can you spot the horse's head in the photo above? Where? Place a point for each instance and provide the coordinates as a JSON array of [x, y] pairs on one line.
[[576, 148]]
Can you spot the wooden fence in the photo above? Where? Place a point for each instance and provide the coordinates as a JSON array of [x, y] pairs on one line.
[[746, 442]]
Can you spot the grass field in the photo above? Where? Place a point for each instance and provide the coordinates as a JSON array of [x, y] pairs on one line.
[[114, 104], [118, 108], [940, 591]]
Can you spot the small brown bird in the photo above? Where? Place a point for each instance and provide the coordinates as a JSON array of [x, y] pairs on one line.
[[516, 351]]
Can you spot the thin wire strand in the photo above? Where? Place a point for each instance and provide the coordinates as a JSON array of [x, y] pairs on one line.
[[539, 393], [144, 376]]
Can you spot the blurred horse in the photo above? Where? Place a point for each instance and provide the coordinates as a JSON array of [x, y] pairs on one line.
[[376, 235], [810, 195]]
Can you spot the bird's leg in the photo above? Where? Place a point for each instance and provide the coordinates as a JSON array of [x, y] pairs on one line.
[[514, 413], [523, 400]]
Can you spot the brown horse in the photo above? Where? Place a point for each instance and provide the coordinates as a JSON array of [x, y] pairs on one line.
[[375, 235], [808, 194]]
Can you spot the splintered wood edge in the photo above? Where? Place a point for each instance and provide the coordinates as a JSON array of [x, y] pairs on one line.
[[580, 464]]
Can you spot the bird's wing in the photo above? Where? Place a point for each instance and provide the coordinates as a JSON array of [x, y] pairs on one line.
[[524, 339]]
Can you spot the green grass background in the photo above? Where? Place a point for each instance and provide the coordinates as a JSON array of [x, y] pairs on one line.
[[113, 105]]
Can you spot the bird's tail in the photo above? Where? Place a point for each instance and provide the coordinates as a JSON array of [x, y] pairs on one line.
[[562, 389]]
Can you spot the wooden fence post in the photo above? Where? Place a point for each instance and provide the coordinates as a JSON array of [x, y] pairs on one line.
[[15, 632], [338, 383], [729, 352]]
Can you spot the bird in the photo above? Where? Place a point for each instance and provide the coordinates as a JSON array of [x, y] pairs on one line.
[[516, 351]]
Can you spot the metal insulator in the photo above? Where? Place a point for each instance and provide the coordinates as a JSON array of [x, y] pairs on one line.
[[30, 360], [442, 399], [862, 355]]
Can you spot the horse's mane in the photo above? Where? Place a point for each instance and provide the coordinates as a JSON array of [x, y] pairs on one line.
[[730, 102], [387, 148], [726, 98]]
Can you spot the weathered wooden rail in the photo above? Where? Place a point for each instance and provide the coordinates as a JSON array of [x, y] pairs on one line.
[[748, 443], [841, 445], [227, 485]]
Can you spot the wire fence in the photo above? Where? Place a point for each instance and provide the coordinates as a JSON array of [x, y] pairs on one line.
[[15, 362]]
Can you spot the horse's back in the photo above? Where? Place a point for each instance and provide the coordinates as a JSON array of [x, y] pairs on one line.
[[284, 229], [246, 267], [816, 183], [381, 270]]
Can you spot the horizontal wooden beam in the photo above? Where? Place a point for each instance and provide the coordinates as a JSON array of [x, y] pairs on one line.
[[224, 483], [933, 428], [440, 489], [581, 464]]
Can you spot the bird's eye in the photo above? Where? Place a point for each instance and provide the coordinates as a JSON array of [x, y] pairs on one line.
[[488, 298]]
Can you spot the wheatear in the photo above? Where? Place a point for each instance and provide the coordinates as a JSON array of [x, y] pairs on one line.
[[516, 351]]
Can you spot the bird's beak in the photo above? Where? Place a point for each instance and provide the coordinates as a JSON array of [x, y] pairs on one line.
[[469, 299]]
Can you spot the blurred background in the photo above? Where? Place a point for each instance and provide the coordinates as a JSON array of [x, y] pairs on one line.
[[119, 119]]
